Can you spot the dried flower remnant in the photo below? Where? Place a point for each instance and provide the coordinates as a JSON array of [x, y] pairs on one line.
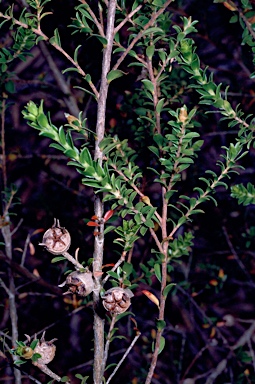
[[117, 300], [81, 283], [56, 239], [46, 349], [39, 351]]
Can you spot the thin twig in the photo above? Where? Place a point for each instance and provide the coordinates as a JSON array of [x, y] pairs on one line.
[[72, 260], [141, 33], [134, 187], [90, 362], [17, 227], [3, 142], [248, 25], [24, 253], [69, 99], [244, 339], [124, 356], [28, 275], [55, 45], [6, 232], [198, 355], [181, 359], [108, 339], [25, 374], [155, 94], [127, 18], [48, 371], [236, 257], [100, 26], [116, 265], [2, 283]]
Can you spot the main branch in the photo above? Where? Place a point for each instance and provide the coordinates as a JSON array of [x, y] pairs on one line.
[[99, 240]]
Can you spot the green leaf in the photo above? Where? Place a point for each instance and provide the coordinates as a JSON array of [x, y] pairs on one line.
[[233, 19], [36, 356], [34, 344], [121, 315], [109, 228], [87, 78], [110, 365], [102, 40], [57, 146], [149, 223], [160, 324], [76, 53], [64, 379], [185, 160], [154, 150], [158, 3], [70, 153], [20, 343], [150, 51], [168, 288], [50, 135], [85, 157], [143, 230], [56, 38], [113, 274], [10, 86], [157, 269], [56, 259], [114, 74], [127, 268], [19, 362], [161, 344], [70, 69], [153, 30], [160, 105], [159, 139], [148, 85], [62, 136]]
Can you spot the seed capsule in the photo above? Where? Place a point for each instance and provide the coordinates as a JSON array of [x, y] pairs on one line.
[[117, 300], [81, 283], [46, 349], [56, 239]]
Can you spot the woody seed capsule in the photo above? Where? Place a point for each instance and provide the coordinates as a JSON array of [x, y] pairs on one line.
[[56, 239], [46, 349], [117, 300], [81, 283]]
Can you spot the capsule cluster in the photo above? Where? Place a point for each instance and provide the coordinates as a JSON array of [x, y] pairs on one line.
[[116, 300]]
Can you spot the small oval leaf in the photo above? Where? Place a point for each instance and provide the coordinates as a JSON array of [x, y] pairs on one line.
[[151, 297], [168, 289], [157, 270], [114, 74]]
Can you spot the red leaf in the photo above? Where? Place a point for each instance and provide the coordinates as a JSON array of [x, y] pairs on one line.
[[108, 265], [94, 217], [92, 224], [108, 214]]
